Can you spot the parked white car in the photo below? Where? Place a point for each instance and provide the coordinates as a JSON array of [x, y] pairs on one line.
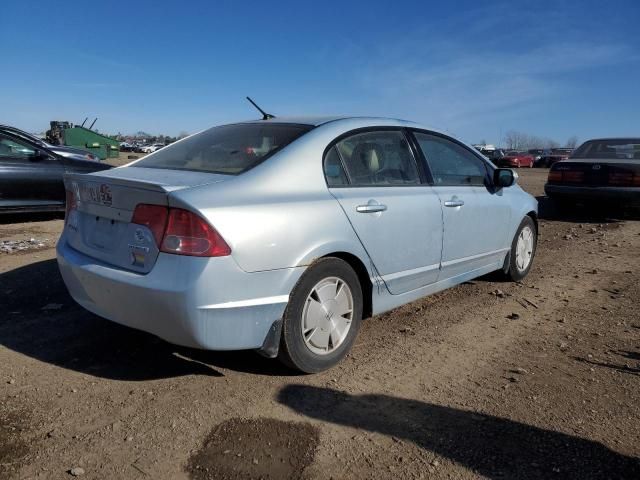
[[152, 148]]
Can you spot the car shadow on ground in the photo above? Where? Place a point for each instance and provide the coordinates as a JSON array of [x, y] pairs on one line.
[[584, 213], [39, 319], [491, 446]]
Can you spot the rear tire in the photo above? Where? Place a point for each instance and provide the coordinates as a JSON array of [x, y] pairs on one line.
[[322, 319], [523, 250]]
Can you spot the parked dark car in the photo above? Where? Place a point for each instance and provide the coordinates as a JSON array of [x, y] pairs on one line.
[[602, 170], [514, 159], [494, 155], [31, 174], [70, 152], [536, 153], [553, 155]]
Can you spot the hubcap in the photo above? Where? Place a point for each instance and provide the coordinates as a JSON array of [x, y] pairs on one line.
[[327, 315], [524, 249]]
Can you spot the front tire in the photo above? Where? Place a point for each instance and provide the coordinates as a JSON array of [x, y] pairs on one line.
[[322, 319], [523, 249]]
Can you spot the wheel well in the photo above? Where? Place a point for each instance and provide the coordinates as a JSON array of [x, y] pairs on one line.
[[363, 276], [534, 217]]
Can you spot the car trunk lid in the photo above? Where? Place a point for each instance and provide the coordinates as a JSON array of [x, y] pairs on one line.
[[100, 225]]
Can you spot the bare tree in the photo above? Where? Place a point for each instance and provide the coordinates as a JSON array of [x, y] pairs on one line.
[[549, 143], [515, 140], [572, 142]]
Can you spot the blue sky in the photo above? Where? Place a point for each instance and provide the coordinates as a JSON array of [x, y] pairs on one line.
[[474, 69]]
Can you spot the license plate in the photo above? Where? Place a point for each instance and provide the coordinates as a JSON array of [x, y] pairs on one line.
[[103, 233]]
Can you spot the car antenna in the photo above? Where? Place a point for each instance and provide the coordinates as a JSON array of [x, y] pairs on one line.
[[265, 115]]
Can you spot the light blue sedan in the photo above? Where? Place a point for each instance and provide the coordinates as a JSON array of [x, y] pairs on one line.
[[281, 235]]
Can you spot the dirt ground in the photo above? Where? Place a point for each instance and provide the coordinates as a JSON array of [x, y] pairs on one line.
[[538, 379], [124, 158]]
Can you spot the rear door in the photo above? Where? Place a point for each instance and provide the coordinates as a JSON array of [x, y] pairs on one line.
[[398, 218], [476, 218], [26, 179]]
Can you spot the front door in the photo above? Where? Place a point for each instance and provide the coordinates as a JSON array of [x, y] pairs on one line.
[[27, 179], [476, 218]]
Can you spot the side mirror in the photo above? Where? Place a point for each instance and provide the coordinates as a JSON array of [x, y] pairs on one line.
[[504, 177], [38, 156]]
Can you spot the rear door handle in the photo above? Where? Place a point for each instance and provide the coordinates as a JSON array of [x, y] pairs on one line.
[[371, 208], [453, 203]]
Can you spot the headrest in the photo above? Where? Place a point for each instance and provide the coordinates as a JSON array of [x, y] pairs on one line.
[[370, 155]]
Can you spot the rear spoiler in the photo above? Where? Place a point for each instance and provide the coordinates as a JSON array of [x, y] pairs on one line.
[[100, 177]]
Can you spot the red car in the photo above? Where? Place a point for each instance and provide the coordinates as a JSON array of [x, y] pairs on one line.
[[515, 159]]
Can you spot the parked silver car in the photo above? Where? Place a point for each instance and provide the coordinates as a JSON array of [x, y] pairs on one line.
[[282, 234]]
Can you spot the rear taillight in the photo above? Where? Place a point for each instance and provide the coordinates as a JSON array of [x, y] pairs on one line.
[[70, 204], [181, 232], [624, 179], [555, 176], [189, 234], [154, 217], [566, 176], [574, 177], [620, 179]]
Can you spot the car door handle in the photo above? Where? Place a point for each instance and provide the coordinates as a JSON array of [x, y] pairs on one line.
[[371, 208], [453, 203]]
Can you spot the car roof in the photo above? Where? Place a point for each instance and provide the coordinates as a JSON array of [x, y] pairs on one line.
[[608, 139], [13, 129], [321, 120]]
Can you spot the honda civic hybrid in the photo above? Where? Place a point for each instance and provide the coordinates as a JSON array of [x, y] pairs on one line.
[[282, 235]]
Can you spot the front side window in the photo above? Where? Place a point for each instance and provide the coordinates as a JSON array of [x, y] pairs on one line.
[[450, 163], [229, 149], [13, 148], [380, 158]]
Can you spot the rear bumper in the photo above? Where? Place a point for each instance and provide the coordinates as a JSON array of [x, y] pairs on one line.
[[207, 303], [625, 194]]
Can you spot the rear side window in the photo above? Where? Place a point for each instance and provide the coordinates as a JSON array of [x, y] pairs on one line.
[[333, 169], [229, 149], [380, 158], [450, 163], [627, 149]]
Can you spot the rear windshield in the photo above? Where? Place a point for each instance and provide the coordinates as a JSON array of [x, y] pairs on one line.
[[229, 149], [628, 149]]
